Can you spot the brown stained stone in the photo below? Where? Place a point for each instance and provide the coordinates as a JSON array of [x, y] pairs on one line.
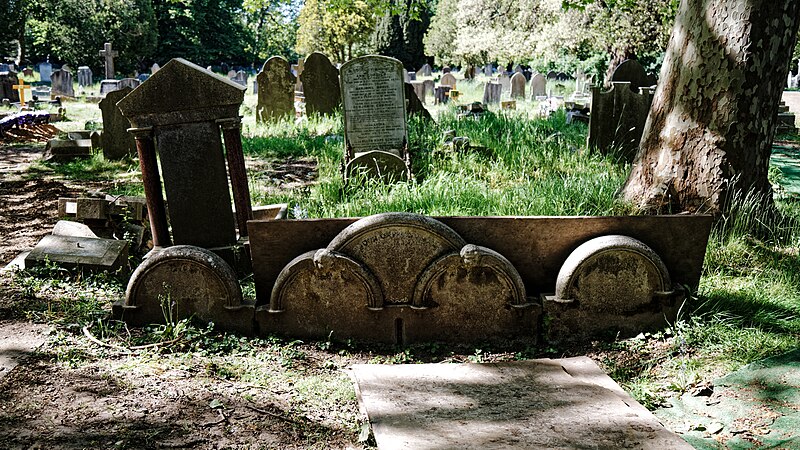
[[79, 252], [397, 247], [518, 85], [320, 81], [448, 79], [117, 142], [275, 90], [610, 283], [184, 281], [539, 404]]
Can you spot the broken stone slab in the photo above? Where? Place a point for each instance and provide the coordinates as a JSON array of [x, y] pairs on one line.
[[70, 228], [94, 254], [60, 150], [544, 403]]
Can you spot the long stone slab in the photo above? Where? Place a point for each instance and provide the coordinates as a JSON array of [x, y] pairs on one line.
[[545, 403], [80, 252]]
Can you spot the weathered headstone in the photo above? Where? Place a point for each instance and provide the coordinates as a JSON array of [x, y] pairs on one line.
[[298, 70], [446, 69], [441, 94], [179, 112], [276, 90], [45, 70], [28, 72], [132, 83], [538, 85], [84, 76], [518, 85], [414, 106], [108, 57], [376, 137], [504, 81], [429, 86], [552, 75], [231, 74], [469, 73], [320, 85], [255, 87], [7, 82], [154, 68], [79, 252], [406, 77], [487, 70], [419, 89], [68, 149], [448, 79], [107, 86], [117, 142], [618, 118], [61, 84], [492, 93], [425, 70], [632, 72], [412, 76], [517, 69]]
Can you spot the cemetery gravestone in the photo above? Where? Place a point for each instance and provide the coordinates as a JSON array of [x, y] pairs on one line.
[[45, 70], [117, 143], [298, 87], [108, 56], [7, 91], [518, 85], [28, 72], [406, 77], [538, 86], [425, 70], [492, 92], [446, 69], [552, 75], [132, 83], [632, 72], [412, 76], [441, 94], [376, 137], [618, 118], [107, 86], [420, 90], [276, 90], [414, 106], [504, 81], [487, 70], [448, 79], [429, 86], [255, 87], [231, 74], [320, 85], [84, 76], [61, 84], [154, 68], [179, 112], [241, 78]]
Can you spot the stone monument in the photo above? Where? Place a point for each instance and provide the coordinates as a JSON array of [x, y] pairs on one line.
[[61, 84], [276, 90], [492, 93], [518, 85], [108, 57], [84, 76], [321, 85], [117, 142], [618, 118], [448, 79], [538, 86]]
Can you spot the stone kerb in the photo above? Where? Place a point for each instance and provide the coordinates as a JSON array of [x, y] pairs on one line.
[[374, 115], [275, 92]]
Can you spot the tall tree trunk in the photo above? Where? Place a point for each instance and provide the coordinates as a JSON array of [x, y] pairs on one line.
[[712, 122]]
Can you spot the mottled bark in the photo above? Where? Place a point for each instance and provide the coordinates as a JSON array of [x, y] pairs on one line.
[[711, 125]]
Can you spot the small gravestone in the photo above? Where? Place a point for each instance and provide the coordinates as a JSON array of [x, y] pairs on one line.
[[441, 94], [492, 92], [42, 93], [376, 136], [132, 83], [28, 72], [178, 114], [45, 70], [469, 73], [60, 150], [487, 70], [276, 90], [7, 82], [61, 84], [241, 78], [518, 69], [298, 70], [231, 74], [154, 68], [79, 252], [414, 106], [320, 85], [406, 77], [618, 118], [632, 72], [552, 75], [419, 90], [425, 70], [518, 85], [107, 86], [504, 81], [117, 142], [84, 76], [538, 85], [255, 87], [108, 58], [429, 86], [448, 79]]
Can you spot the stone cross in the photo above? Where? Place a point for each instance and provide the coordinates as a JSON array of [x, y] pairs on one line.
[[109, 56], [21, 88]]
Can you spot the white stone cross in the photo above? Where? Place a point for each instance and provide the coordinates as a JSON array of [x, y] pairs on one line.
[[109, 55]]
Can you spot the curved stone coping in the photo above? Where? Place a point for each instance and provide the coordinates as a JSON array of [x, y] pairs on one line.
[[372, 223]]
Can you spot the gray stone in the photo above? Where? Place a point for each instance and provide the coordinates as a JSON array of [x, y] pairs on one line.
[[84, 76], [182, 103], [429, 86], [504, 81], [18, 341], [412, 76], [441, 94], [108, 58], [632, 72], [425, 70], [487, 70], [518, 86], [45, 70], [276, 90], [74, 229], [231, 74], [446, 69], [448, 79], [68, 149], [41, 92], [240, 77], [538, 85], [618, 118], [117, 142], [419, 90], [61, 84], [131, 83], [492, 93], [154, 68], [373, 94], [538, 404], [107, 86], [320, 85], [28, 72], [80, 253], [7, 82], [186, 281], [298, 70]]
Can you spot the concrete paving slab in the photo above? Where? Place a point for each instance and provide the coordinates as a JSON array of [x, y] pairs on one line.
[[757, 406], [555, 404], [18, 340]]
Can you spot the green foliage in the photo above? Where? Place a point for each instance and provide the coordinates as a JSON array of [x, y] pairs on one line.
[[339, 29], [400, 35], [273, 26], [12, 32], [73, 32]]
